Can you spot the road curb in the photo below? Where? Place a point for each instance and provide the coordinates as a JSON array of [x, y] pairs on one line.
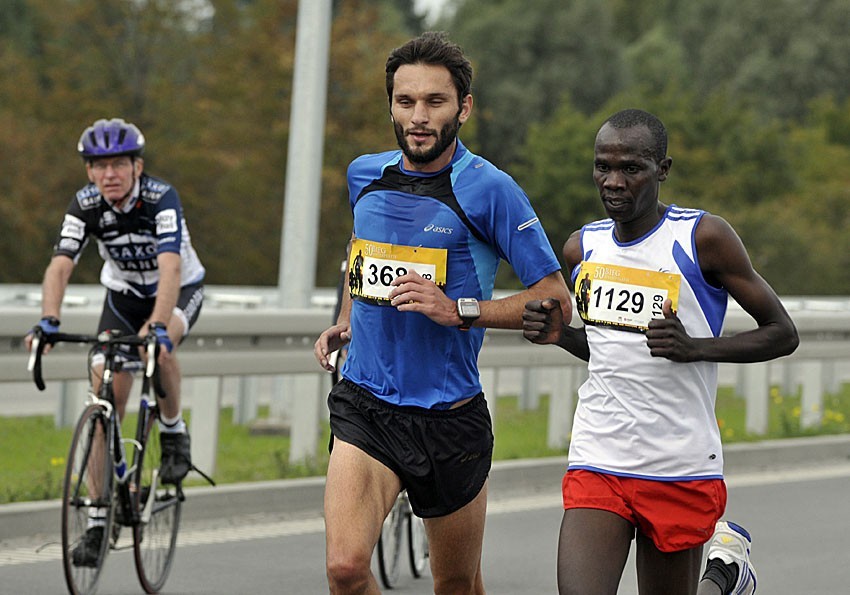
[[300, 498]]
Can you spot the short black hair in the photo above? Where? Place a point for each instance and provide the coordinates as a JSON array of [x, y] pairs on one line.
[[629, 118], [434, 48]]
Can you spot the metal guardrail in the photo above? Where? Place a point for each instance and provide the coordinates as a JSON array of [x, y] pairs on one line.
[[241, 334]]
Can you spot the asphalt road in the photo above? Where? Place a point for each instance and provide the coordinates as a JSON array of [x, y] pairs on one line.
[[798, 516]]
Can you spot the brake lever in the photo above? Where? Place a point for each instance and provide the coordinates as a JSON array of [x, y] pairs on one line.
[[151, 353], [34, 363]]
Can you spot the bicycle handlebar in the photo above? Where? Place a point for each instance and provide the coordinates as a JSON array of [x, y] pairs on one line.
[[106, 338]]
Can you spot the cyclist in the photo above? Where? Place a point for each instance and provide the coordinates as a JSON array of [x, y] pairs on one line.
[[152, 275], [431, 223]]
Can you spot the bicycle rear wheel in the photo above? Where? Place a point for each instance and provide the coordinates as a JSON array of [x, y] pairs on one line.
[[389, 545], [86, 494], [417, 544], [159, 509]]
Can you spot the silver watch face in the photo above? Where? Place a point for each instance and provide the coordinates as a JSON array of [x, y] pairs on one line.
[[468, 308]]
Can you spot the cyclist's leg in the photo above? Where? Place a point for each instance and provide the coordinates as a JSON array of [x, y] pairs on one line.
[[176, 448], [359, 493], [174, 435], [169, 372], [122, 383], [455, 543]]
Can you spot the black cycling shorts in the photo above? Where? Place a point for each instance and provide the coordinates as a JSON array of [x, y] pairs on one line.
[[441, 456], [127, 312]]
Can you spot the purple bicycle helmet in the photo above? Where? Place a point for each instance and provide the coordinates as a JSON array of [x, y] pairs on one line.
[[110, 138]]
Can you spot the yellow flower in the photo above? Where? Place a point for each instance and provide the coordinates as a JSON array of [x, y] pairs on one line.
[[57, 461]]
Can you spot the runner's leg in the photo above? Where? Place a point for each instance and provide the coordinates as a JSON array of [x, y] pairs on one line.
[[592, 551], [455, 544], [359, 492], [666, 573]]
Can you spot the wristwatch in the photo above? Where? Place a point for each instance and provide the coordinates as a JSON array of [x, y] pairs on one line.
[[469, 311]]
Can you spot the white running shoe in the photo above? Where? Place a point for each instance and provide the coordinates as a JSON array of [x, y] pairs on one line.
[[731, 544]]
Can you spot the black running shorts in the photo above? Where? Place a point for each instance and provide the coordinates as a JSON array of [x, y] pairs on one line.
[[127, 313], [441, 456]]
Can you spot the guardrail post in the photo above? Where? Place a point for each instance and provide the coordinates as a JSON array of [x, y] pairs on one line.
[[529, 396], [245, 409], [787, 377], [490, 386], [561, 406], [206, 405], [756, 392], [280, 402], [72, 399], [325, 387], [304, 429], [811, 403], [831, 377]]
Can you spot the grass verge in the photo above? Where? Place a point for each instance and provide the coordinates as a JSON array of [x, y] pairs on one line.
[[34, 450]]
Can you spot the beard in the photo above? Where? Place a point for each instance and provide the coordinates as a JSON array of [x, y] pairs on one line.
[[444, 140]]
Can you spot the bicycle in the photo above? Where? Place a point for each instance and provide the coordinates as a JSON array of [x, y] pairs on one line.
[[99, 483], [393, 533]]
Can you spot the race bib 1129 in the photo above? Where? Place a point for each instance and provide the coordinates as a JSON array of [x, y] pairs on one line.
[[623, 297]]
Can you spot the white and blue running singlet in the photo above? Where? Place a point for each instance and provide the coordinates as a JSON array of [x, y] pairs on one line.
[[638, 415], [478, 215], [129, 240]]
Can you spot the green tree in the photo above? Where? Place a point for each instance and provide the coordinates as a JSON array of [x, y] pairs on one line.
[[778, 54], [529, 55], [555, 169]]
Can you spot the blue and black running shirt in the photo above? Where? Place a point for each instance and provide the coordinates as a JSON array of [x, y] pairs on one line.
[[479, 215]]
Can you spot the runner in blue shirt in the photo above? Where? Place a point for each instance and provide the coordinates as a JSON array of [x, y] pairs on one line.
[[431, 223]]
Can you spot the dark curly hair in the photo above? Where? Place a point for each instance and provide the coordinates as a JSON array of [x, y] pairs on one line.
[[434, 48]]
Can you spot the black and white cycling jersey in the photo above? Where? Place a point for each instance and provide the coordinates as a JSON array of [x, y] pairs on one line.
[[129, 240]]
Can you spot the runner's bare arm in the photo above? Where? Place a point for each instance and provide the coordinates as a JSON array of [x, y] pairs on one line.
[[724, 262]]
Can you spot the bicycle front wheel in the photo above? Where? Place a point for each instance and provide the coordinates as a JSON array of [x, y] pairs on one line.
[[417, 545], [389, 546], [87, 496], [159, 509]]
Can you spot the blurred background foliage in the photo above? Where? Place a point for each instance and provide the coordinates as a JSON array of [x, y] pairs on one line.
[[755, 95]]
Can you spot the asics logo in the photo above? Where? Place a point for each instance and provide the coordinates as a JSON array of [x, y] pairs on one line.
[[437, 229]]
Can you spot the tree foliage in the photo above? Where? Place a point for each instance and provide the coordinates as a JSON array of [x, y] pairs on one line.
[[755, 95], [210, 90]]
